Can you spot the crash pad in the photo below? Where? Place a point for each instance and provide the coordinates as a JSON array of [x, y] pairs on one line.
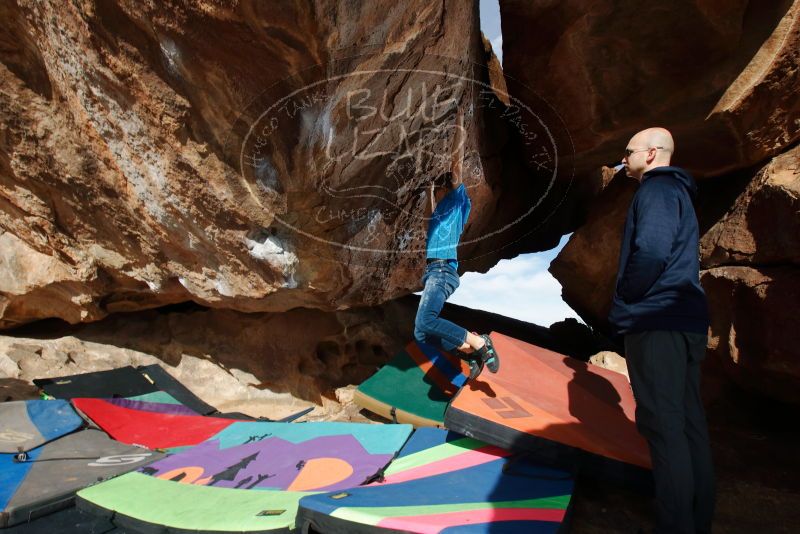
[[25, 425], [50, 475], [444, 482], [415, 386], [151, 429], [248, 478], [566, 411]]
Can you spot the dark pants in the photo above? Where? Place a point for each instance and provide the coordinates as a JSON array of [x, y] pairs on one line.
[[665, 375]]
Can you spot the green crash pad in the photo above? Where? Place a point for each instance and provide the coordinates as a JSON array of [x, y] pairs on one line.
[[415, 386], [166, 504]]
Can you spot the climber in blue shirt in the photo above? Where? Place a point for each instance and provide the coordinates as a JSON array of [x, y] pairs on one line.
[[450, 207]]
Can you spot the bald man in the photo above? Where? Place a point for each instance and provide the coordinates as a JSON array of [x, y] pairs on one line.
[[660, 308]]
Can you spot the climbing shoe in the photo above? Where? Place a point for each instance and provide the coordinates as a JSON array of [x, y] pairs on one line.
[[473, 360], [475, 367], [488, 355]]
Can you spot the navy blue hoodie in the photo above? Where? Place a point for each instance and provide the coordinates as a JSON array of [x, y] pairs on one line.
[[658, 282]]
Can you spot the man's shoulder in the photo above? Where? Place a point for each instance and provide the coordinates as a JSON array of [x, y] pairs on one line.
[[657, 191], [667, 178], [660, 184]]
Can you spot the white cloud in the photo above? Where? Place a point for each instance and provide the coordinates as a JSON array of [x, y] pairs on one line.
[[521, 288]]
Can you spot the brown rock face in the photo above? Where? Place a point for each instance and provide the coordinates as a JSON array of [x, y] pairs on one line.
[[753, 281], [241, 155], [763, 226], [265, 364], [612, 69], [587, 265], [722, 76], [754, 326]]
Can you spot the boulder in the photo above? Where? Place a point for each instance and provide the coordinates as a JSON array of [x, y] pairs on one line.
[[754, 327], [281, 163], [611, 361], [763, 225], [261, 364], [722, 76], [587, 265]]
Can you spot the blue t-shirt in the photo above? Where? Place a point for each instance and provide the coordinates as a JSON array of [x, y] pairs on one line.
[[446, 225]]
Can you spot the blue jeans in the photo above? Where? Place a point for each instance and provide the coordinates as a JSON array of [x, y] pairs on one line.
[[440, 281]]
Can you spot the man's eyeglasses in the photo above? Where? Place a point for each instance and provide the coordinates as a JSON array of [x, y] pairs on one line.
[[629, 151]]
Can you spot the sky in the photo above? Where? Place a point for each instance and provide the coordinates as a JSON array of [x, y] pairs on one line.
[[490, 25], [522, 287]]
